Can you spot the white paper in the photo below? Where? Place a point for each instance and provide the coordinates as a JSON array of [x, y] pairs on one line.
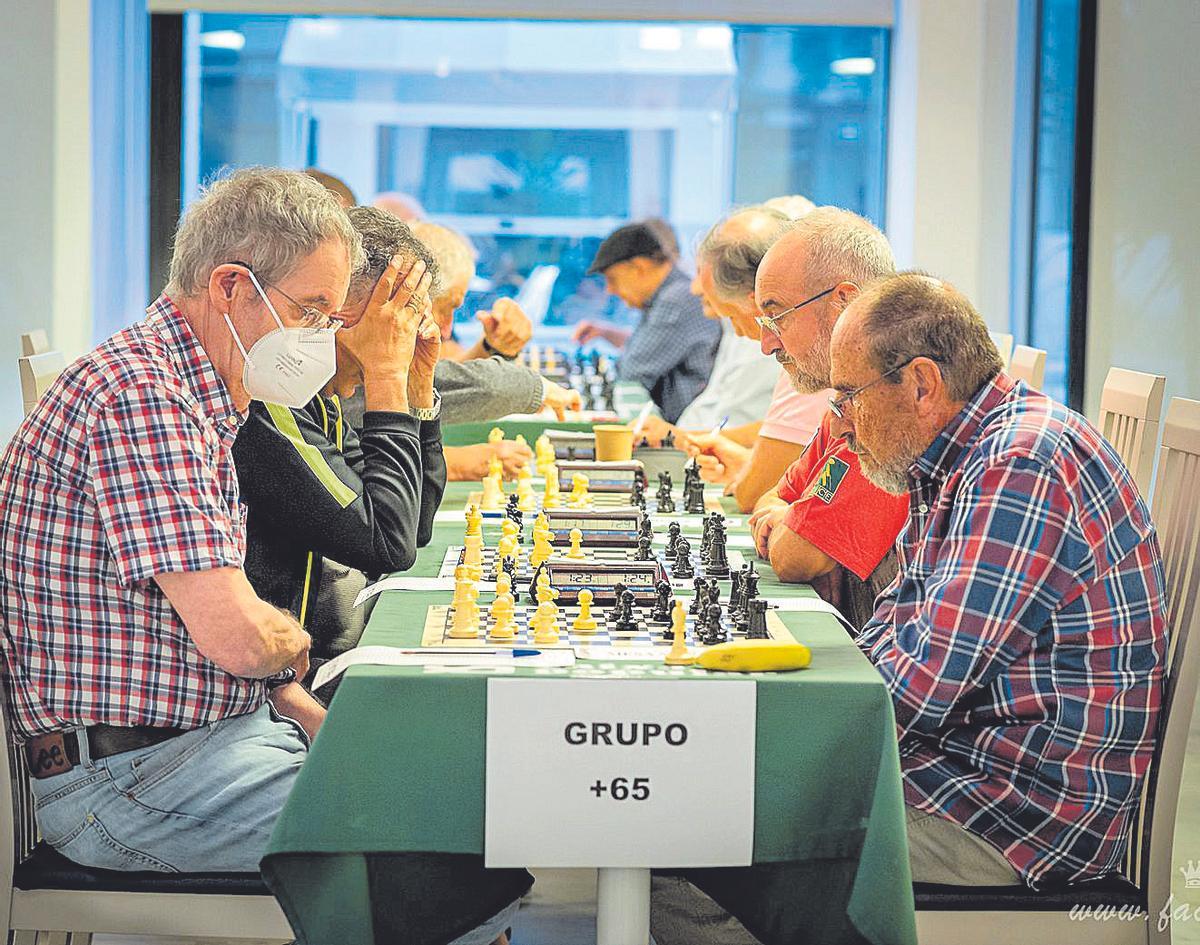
[[458, 656], [585, 814], [403, 583]]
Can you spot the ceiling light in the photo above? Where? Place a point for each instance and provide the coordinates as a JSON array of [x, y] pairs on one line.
[[862, 65], [660, 38], [223, 39]]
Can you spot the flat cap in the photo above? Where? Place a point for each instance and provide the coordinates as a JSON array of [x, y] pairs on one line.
[[626, 242]]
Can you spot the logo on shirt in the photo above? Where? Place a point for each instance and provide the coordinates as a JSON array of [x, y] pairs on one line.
[[825, 486]]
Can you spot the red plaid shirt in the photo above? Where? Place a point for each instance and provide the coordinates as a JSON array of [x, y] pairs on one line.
[[1024, 639], [123, 471]]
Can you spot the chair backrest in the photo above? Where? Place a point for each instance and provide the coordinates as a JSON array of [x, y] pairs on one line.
[[1004, 344], [1177, 520], [1028, 365], [35, 342], [1130, 408], [38, 372], [18, 826]]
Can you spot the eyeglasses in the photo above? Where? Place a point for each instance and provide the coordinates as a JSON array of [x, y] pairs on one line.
[[310, 317], [838, 404], [768, 322]]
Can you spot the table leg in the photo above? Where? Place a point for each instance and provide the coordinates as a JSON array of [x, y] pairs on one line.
[[622, 906]]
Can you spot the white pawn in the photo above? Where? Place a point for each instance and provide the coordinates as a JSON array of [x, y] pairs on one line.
[[545, 623], [465, 624], [576, 550], [551, 499], [585, 622], [678, 654], [502, 610]]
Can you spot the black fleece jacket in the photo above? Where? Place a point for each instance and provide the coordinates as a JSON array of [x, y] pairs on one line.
[[314, 488]]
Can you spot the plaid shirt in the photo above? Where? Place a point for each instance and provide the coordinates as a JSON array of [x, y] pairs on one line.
[[123, 471], [671, 352], [1024, 639]]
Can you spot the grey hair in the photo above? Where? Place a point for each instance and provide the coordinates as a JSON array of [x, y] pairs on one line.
[[265, 217], [734, 257], [912, 314], [842, 247], [455, 256], [385, 235], [794, 205]]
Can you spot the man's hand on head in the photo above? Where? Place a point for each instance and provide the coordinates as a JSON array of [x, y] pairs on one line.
[[506, 327]]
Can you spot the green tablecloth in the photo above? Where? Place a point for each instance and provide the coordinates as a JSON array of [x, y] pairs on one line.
[[399, 767]]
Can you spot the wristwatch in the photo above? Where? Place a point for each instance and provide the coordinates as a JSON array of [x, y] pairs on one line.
[[428, 413], [494, 351]]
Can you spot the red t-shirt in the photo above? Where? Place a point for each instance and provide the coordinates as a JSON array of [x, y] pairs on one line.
[[835, 507]]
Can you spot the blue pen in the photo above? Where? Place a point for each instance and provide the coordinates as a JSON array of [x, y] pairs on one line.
[[720, 426], [514, 653]]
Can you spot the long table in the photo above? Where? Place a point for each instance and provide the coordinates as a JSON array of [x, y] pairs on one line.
[[393, 792]]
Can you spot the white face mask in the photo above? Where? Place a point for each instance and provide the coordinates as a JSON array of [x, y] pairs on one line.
[[287, 366]]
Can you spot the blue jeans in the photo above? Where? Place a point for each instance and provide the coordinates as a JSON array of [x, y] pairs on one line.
[[205, 801]]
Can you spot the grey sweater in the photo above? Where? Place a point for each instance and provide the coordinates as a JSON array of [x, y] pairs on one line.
[[473, 391]]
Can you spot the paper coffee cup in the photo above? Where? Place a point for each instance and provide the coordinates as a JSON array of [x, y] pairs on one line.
[[614, 442]]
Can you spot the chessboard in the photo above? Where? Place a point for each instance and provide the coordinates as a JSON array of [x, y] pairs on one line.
[[455, 553], [649, 641], [598, 501]]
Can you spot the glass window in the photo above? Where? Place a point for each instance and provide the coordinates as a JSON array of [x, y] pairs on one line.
[[537, 139], [1048, 313]]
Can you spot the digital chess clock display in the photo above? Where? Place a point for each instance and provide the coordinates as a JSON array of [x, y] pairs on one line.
[[602, 577], [610, 527], [603, 477]]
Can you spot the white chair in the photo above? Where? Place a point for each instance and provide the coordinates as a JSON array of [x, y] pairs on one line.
[[34, 342], [1130, 407], [1004, 344], [42, 892], [1028, 365], [38, 372], [1000, 915]]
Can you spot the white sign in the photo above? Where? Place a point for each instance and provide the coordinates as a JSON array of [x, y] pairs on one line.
[[620, 773]]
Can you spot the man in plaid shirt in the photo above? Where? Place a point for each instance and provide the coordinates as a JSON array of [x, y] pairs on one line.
[[1023, 640], [154, 691]]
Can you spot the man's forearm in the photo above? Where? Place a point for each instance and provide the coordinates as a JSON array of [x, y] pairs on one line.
[[386, 392]]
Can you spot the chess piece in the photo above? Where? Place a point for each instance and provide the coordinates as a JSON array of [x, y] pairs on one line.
[[645, 529], [474, 520], [615, 610], [626, 621], [520, 441], [465, 622], [714, 630], [576, 550], [585, 622], [526, 501], [495, 436], [543, 592], [543, 454], [699, 596], [492, 499], [678, 654], [735, 593], [643, 553], [666, 504], [579, 491], [757, 620], [543, 543], [550, 498], [718, 561], [749, 584], [502, 610], [544, 623], [682, 568], [473, 554], [668, 441], [662, 603], [506, 550], [638, 495], [673, 532]]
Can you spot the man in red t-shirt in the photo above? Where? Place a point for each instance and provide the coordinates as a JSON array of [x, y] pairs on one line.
[[824, 523]]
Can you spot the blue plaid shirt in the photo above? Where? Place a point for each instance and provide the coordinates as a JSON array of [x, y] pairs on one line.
[[1024, 638], [671, 351]]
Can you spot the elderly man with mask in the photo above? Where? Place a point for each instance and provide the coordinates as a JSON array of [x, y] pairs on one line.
[[152, 688], [1024, 639], [824, 523]]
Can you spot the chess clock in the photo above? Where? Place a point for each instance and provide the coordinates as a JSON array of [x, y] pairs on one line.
[[607, 527], [572, 444], [602, 477], [569, 577]]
